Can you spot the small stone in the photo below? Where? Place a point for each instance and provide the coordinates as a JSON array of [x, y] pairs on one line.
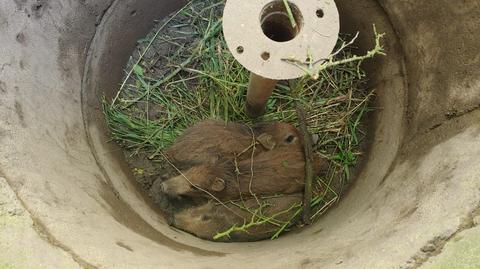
[[429, 248]]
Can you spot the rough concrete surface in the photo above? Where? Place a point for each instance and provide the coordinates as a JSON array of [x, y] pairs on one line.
[[461, 252], [66, 199], [23, 245]]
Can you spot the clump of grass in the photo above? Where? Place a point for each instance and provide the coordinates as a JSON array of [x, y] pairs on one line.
[[197, 78]]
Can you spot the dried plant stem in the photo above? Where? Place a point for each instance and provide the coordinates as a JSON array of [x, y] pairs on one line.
[[254, 143], [307, 195]]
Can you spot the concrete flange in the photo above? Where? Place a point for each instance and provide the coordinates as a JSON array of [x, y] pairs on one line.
[[259, 34]]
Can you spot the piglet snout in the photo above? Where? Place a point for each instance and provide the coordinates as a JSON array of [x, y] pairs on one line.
[[174, 186]]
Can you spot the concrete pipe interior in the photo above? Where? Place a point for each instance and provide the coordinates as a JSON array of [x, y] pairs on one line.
[[66, 199]]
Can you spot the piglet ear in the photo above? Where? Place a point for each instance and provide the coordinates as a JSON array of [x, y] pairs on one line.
[[266, 141], [218, 184]]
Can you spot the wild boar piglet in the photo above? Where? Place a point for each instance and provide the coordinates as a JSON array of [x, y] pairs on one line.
[[211, 140], [207, 220]]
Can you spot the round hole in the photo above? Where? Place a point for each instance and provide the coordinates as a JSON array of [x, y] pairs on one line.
[[240, 49], [320, 13], [276, 23], [265, 56]]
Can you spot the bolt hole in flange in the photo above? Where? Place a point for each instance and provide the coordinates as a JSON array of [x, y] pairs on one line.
[[320, 13], [240, 49], [276, 24], [265, 56]]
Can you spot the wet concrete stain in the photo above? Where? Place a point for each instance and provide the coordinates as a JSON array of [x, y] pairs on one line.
[[74, 40], [445, 67], [123, 245], [20, 114], [39, 7], [309, 263], [20, 38], [407, 212]]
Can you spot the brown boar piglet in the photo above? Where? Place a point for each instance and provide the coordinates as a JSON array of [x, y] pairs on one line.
[[207, 220], [211, 140], [274, 172]]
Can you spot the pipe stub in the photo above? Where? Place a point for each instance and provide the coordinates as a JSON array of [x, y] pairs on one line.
[[260, 35]]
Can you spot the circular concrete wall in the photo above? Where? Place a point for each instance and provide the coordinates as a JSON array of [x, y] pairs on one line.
[[66, 198]]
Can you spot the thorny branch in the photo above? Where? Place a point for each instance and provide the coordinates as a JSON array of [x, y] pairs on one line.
[[313, 68]]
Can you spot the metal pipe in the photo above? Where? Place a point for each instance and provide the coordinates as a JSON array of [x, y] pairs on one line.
[[259, 91]]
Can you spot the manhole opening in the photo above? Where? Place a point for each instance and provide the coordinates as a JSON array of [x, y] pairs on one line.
[[160, 101]]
